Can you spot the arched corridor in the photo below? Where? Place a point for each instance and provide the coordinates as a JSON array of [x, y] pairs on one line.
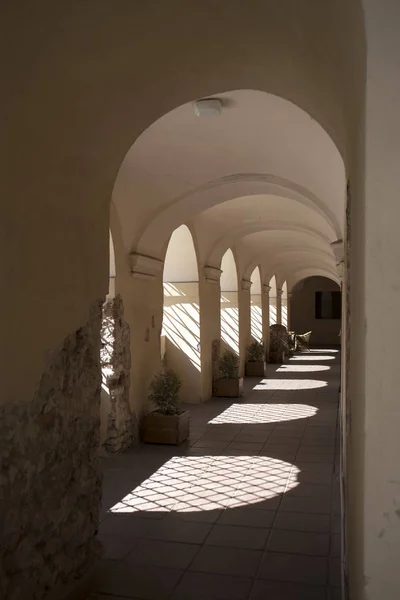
[[244, 156]]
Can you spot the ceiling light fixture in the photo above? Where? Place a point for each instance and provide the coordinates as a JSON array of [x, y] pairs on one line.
[[209, 107]]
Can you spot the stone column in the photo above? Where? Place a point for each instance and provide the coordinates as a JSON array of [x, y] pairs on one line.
[[279, 306], [210, 324], [265, 316], [244, 321]]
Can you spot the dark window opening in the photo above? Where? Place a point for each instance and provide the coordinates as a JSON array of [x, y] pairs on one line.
[[328, 305]]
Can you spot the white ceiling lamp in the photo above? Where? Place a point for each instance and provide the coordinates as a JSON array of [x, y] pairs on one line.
[[209, 107]]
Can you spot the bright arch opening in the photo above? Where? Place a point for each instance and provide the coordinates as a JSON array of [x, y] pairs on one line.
[[229, 302], [256, 305], [285, 305], [180, 336], [272, 301]]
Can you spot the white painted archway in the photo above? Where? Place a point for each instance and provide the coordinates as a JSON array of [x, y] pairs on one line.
[[180, 337], [229, 302]]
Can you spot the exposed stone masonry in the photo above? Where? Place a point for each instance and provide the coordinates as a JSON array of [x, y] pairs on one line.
[[121, 426], [278, 343], [50, 482]]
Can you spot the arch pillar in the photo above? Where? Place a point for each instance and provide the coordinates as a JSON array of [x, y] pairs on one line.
[[143, 311], [279, 293], [244, 302], [210, 324], [265, 316]]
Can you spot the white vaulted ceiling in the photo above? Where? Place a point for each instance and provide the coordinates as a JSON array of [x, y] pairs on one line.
[[263, 177]]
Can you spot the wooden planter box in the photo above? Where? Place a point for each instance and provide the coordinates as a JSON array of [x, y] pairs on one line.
[[229, 388], [165, 429], [256, 369]]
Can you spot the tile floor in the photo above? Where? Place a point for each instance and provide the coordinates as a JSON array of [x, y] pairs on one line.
[[248, 509]]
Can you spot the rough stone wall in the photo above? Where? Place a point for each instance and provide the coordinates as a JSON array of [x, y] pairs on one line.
[[50, 483], [121, 426], [278, 343]]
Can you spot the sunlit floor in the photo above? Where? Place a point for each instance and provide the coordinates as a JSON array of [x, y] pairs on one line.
[[249, 509]]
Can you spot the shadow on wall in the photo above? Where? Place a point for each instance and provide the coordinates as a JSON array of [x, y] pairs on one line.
[[256, 322], [230, 320], [284, 315], [272, 314], [181, 328]]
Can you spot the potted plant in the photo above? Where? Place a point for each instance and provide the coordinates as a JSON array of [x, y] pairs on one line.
[[255, 360], [229, 384], [167, 424]]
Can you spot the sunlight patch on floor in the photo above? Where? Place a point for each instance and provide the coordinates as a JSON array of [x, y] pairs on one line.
[[290, 384], [200, 483], [302, 368], [311, 357], [263, 413]]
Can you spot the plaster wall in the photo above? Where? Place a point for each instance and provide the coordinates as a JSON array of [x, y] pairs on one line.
[[244, 327], [256, 314], [181, 326], [265, 319], [375, 441], [230, 319], [143, 311], [210, 331], [324, 331], [272, 310]]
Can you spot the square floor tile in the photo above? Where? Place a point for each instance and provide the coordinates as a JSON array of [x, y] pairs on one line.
[[201, 516], [230, 561], [233, 536], [274, 590], [308, 505], [294, 568], [312, 490], [336, 546], [213, 443], [336, 524], [247, 517], [143, 581], [335, 572], [314, 457], [315, 467], [107, 597], [190, 533], [174, 555], [117, 547], [318, 477], [297, 521], [210, 586], [299, 542], [131, 524], [334, 593], [245, 447]]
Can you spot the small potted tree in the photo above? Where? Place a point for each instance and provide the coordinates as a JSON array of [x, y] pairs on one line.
[[255, 360], [229, 384], [167, 424]]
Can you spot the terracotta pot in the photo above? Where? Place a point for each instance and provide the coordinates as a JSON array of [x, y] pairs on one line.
[[256, 369], [229, 388], [165, 429]]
